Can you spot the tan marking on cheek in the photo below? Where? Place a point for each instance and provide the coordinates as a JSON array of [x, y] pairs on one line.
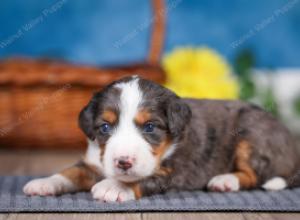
[[159, 150], [109, 116], [164, 171], [245, 172], [102, 151], [142, 117]]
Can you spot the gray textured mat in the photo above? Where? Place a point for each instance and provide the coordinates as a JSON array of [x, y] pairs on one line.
[[13, 200]]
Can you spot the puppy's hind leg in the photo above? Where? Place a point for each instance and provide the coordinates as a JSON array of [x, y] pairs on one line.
[[274, 184], [244, 177], [79, 177]]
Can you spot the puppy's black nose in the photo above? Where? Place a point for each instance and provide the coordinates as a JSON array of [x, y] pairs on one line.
[[124, 163]]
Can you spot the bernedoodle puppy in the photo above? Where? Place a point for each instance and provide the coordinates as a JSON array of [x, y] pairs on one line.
[[143, 140]]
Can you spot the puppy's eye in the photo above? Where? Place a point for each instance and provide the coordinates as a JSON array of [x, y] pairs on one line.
[[105, 128], [149, 127]]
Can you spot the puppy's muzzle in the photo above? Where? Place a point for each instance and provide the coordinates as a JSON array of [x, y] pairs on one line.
[[124, 163]]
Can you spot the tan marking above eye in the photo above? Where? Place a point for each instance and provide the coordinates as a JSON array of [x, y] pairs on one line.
[[142, 117], [109, 116]]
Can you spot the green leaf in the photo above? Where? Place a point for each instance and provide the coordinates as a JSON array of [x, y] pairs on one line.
[[269, 103], [247, 88], [297, 106], [244, 62], [242, 66]]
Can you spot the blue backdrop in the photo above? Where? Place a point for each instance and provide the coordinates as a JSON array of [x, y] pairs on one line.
[[110, 31]]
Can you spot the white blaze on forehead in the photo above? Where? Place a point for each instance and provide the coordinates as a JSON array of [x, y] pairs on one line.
[[126, 139], [130, 99]]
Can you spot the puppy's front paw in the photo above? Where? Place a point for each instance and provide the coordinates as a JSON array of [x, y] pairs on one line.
[[224, 183], [110, 190], [49, 186]]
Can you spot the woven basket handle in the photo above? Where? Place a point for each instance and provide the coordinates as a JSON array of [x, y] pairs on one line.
[[158, 32]]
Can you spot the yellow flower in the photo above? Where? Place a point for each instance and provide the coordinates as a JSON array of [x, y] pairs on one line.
[[199, 73]]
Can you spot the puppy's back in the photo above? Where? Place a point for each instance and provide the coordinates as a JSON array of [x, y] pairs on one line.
[[274, 151]]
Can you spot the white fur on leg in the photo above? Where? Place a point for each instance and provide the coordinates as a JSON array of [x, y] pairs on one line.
[[110, 190], [53, 185], [93, 153], [224, 183], [276, 183]]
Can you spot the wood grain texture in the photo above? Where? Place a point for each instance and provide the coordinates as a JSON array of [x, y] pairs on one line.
[[193, 216], [73, 216], [153, 216], [3, 216], [36, 162]]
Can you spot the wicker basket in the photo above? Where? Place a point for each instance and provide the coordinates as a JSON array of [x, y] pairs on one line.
[[40, 99]]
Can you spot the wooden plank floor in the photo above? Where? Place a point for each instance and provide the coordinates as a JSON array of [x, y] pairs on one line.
[[153, 216], [42, 163]]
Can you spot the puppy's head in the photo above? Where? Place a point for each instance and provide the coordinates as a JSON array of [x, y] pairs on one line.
[[137, 124]]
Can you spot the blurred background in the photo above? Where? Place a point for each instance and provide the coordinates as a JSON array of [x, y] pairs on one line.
[[110, 32], [55, 54]]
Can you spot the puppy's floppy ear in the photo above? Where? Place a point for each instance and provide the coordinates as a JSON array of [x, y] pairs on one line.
[[179, 115], [86, 120]]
